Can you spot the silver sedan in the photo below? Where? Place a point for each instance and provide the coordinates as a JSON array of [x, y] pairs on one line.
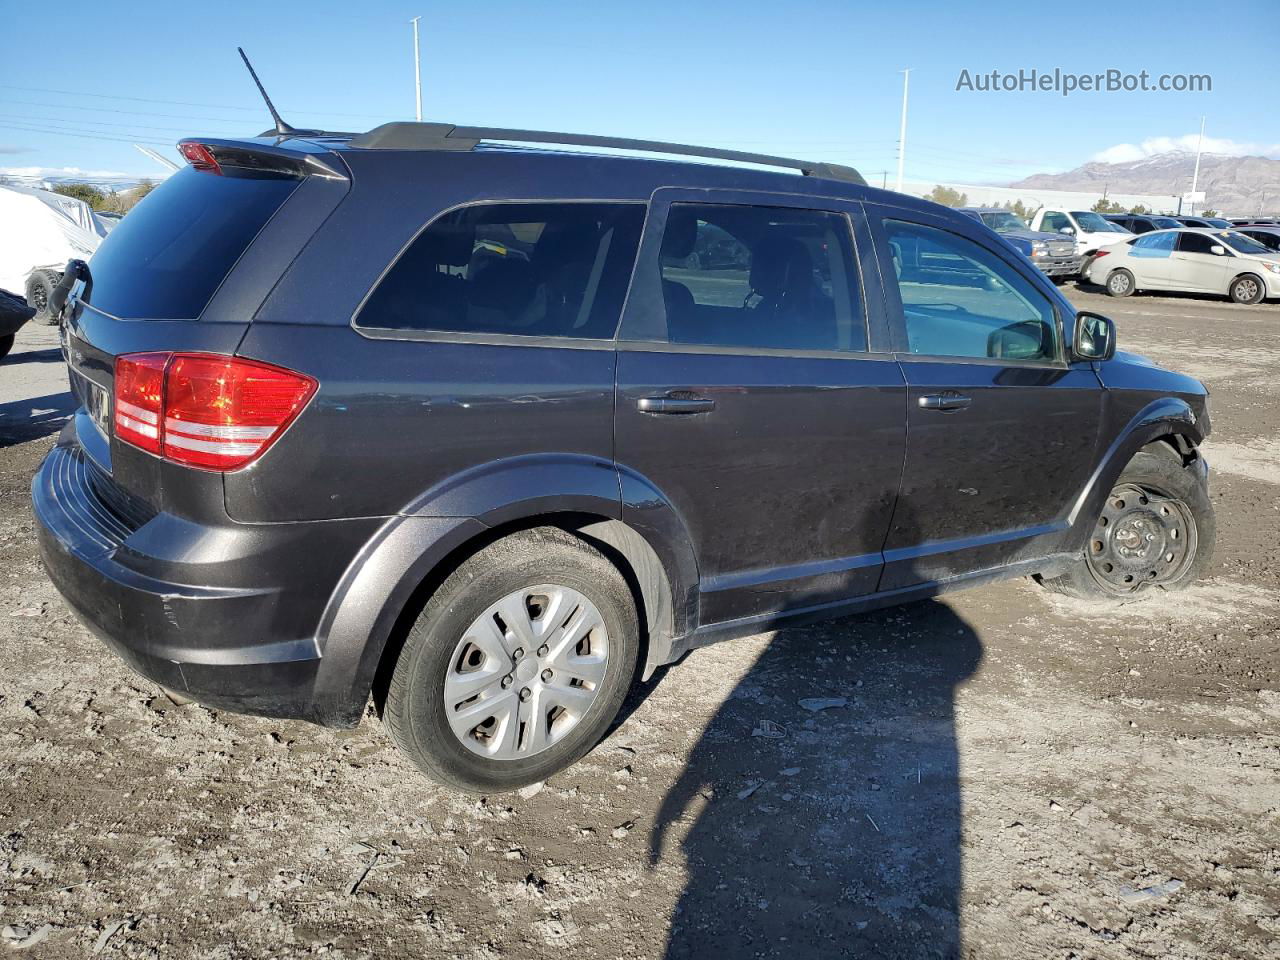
[[1192, 260]]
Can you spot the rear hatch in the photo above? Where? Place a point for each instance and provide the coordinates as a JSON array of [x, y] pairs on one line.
[[184, 272]]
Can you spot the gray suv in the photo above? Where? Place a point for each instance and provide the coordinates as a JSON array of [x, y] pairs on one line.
[[485, 432]]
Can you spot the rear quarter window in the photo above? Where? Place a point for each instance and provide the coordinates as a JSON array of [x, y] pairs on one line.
[[171, 252]]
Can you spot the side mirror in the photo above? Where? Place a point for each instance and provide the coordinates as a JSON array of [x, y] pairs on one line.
[[1069, 231], [1218, 251], [1095, 337]]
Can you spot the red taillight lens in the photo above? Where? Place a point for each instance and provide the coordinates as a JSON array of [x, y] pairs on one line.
[[1101, 253], [199, 156], [214, 412], [139, 399]]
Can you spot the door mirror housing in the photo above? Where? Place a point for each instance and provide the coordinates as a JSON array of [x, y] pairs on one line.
[[1069, 231], [1218, 251], [1095, 337]]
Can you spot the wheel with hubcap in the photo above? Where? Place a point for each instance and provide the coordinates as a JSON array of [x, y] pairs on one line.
[[1247, 289], [517, 665], [1156, 529], [1120, 283]]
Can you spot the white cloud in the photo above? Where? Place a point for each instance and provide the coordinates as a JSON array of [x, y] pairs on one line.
[[77, 173], [1128, 152]]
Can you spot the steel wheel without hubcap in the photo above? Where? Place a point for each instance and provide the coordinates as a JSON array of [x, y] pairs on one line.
[[525, 672], [1142, 538]]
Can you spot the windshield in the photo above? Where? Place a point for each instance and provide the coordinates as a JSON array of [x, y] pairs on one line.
[[1240, 243], [1218, 222], [1090, 222], [1166, 223], [1004, 222]]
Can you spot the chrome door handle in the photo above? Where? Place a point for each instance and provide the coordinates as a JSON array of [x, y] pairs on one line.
[[944, 401], [675, 404]]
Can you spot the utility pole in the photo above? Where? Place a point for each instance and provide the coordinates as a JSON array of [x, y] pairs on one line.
[[1195, 177], [417, 68], [902, 131]]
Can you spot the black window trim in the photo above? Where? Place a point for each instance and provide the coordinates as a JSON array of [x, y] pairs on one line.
[[885, 212], [493, 339], [650, 241]]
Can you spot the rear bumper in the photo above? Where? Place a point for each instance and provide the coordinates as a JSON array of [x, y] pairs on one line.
[[227, 615]]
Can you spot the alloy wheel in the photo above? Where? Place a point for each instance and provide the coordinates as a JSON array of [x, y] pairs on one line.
[[525, 672]]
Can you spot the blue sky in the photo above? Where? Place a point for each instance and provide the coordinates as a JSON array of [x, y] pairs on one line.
[[810, 78]]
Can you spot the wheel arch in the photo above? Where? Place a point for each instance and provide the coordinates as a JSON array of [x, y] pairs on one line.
[[388, 583]]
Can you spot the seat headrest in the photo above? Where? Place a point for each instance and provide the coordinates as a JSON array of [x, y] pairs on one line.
[[779, 265], [495, 283], [450, 242], [681, 235]]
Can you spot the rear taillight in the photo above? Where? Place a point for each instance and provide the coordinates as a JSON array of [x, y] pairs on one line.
[[204, 410], [1101, 253]]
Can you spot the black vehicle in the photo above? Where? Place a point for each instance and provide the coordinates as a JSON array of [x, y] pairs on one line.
[[1212, 223], [1269, 237], [1142, 223], [14, 312], [332, 444]]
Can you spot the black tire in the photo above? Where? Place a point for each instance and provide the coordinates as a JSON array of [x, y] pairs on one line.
[[6, 344], [1120, 283], [415, 704], [39, 288], [1247, 288], [1155, 481]]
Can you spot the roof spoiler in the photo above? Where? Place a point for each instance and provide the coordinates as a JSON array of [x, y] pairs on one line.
[[407, 135]]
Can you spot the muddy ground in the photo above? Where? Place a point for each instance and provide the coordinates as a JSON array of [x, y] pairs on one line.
[[1011, 776]]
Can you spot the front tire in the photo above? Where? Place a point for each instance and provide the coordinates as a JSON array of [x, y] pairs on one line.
[[6, 344], [517, 665], [1156, 531], [1247, 289], [1120, 283]]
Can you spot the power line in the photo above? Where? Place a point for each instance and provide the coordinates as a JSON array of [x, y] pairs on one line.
[[83, 136], [176, 103]]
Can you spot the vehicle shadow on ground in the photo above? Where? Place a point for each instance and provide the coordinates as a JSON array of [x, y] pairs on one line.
[[35, 417], [837, 835], [49, 355]]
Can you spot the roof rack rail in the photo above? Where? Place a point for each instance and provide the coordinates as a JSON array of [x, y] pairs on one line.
[[408, 135]]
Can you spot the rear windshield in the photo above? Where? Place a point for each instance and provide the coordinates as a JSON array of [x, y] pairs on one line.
[[169, 254]]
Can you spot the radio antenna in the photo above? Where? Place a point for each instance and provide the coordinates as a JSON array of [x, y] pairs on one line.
[[282, 129]]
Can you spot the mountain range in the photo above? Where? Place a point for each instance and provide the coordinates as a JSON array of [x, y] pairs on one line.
[[1236, 186]]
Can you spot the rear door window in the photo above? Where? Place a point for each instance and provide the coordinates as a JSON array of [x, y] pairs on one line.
[[760, 277], [519, 269], [170, 253]]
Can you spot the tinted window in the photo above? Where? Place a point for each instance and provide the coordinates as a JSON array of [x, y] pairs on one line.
[[168, 256], [1154, 244], [1240, 243], [1195, 243], [1054, 222], [961, 300], [528, 269], [766, 277], [1269, 240]]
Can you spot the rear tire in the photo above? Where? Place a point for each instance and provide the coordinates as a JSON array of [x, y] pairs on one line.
[[1120, 283], [1247, 288], [465, 744], [39, 288], [1156, 531]]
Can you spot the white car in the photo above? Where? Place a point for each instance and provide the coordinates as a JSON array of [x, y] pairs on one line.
[[1191, 260], [1090, 231]]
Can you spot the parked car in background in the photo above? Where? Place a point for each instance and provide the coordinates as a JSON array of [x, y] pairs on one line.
[[1089, 230], [1216, 223], [1254, 221], [1053, 254], [1190, 260], [588, 458], [1139, 223], [14, 312], [1269, 237]]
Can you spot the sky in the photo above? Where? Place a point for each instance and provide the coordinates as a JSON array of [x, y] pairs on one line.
[[816, 79]]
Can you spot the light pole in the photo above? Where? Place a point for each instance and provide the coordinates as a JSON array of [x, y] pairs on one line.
[[1195, 177], [902, 131], [417, 68]]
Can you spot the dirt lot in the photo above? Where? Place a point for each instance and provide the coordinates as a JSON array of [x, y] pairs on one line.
[[1009, 774]]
